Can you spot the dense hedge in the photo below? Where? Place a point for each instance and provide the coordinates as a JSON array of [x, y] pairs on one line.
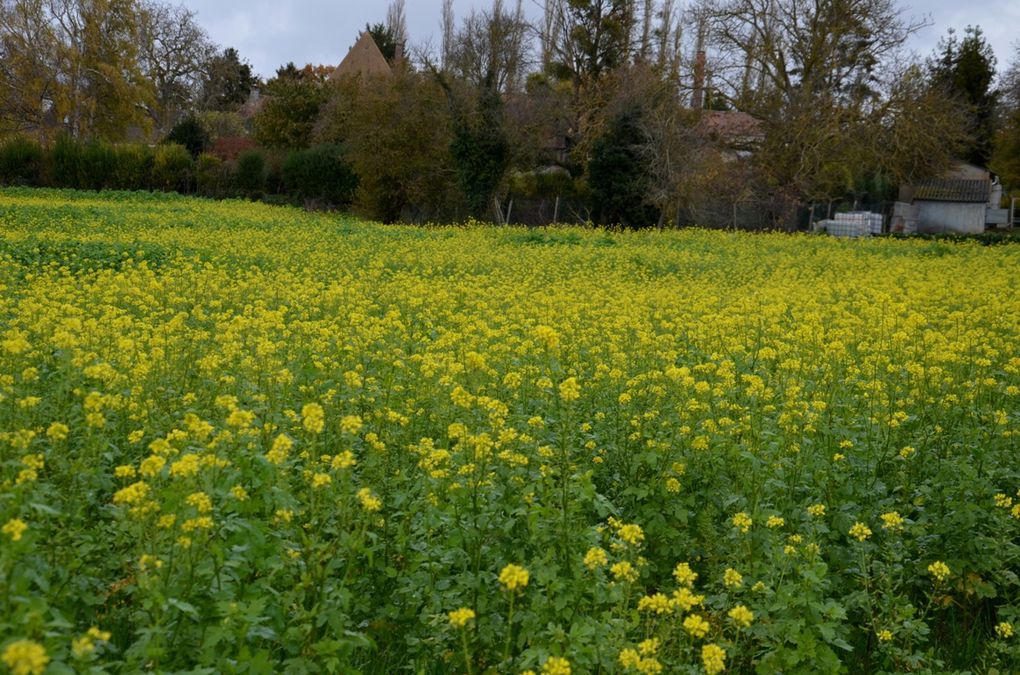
[[21, 162], [319, 177]]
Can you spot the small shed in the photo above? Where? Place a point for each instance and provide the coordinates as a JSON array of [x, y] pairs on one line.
[[952, 205]]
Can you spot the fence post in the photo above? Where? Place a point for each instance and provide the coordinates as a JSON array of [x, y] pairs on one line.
[[556, 211]]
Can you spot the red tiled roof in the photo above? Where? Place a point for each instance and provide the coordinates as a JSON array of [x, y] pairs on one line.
[[734, 124]]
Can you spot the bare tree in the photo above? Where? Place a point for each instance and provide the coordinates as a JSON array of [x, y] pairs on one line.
[[668, 34], [645, 46], [491, 48], [807, 47], [396, 21], [917, 130], [691, 177], [448, 30], [548, 31], [103, 91], [1006, 159], [173, 51], [590, 37], [1010, 83], [675, 153], [819, 74], [28, 67]]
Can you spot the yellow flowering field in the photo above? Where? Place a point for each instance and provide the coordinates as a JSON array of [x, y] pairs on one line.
[[237, 438]]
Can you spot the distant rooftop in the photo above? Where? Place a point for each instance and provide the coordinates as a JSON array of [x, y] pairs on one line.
[[734, 124], [953, 190], [363, 58]]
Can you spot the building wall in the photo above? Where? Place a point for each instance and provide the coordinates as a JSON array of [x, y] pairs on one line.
[[935, 217]]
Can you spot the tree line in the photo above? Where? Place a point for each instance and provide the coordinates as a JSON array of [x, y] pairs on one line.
[[632, 112]]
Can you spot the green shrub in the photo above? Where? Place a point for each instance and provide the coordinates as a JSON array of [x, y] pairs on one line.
[[133, 170], [172, 168], [250, 174], [221, 124], [320, 176], [211, 177], [191, 134], [550, 181], [275, 184], [97, 166], [21, 162], [65, 162], [618, 178]]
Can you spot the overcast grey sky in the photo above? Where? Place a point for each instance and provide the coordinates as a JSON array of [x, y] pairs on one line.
[[269, 33]]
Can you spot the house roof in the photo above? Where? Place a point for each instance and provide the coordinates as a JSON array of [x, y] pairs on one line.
[[734, 124], [953, 190], [364, 58]]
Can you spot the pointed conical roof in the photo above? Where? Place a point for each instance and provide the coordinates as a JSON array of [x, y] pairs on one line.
[[364, 58]]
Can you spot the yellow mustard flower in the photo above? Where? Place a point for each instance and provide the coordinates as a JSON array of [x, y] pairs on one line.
[[713, 657], [629, 658], [570, 390], [57, 431], [892, 521], [742, 522], [556, 665], [132, 494], [313, 418], [655, 604], [732, 578], [741, 616], [631, 533], [368, 500], [14, 528], [650, 647], [860, 531], [513, 577], [624, 571], [595, 557], [25, 657], [460, 617], [351, 424], [696, 626], [684, 575], [939, 570]]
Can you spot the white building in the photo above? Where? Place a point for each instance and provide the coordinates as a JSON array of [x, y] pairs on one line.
[[965, 200]]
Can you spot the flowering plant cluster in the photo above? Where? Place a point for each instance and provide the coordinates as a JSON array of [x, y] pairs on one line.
[[237, 438]]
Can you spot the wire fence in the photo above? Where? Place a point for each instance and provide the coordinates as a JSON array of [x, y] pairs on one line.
[[753, 215], [543, 211]]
